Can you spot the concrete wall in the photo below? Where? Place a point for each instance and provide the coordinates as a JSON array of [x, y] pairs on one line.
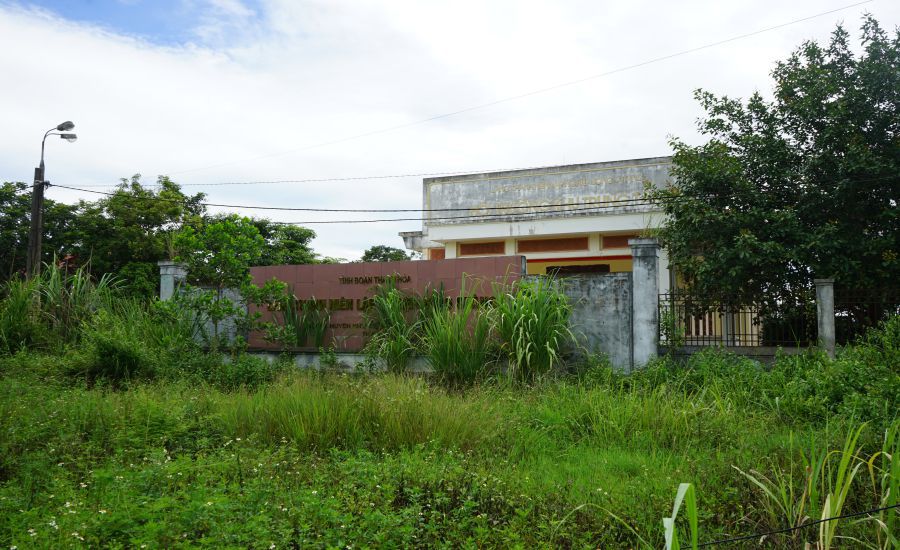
[[572, 185], [601, 314]]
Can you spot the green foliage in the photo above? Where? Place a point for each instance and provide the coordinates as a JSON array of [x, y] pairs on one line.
[[687, 495], [15, 220], [113, 352], [799, 187], [298, 323], [21, 325], [220, 252], [49, 311], [457, 341], [128, 232], [383, 253], [394, 326], [337, 460], [285, 244], [532, 322]]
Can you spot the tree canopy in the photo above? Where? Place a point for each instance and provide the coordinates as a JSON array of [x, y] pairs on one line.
[[801, 186], [128, 231], [383, 253]]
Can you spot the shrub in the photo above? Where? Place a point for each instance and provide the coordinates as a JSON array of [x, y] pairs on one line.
[[862, 382], [244, 371], [113, 351]]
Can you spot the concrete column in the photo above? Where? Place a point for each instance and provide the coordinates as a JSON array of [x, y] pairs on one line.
[[509, 246], [825, 314], [170, 274], [645, 300]]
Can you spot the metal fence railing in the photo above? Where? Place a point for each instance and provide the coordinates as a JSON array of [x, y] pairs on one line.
[[685, 321], [858, 310]]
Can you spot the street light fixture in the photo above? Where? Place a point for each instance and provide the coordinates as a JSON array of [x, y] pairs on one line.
[[33, 260]]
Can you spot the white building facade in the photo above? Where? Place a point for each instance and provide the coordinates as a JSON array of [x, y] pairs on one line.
[[564, 219]]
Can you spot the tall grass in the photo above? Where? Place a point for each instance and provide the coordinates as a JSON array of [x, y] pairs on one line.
[[457, 342], [20, 315], [303, 322], [387, 412], [395, 328], [532, 322], [49, 310]]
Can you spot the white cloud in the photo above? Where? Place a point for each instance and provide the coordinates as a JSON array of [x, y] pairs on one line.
[[291, 74]]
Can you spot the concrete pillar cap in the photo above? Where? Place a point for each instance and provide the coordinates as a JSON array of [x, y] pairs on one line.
[[643, 241], [823, 281]]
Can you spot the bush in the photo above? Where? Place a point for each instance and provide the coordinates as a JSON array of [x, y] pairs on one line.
[[862, 382], [244, 371], [113, 351]]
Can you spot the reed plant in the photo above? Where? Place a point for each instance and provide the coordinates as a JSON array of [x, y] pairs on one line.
[[686, 495], [394, 327], [20, 316], [457, 342], [532, 322], [303, 323]]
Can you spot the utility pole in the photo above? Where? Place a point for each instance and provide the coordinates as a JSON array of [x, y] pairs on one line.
[[36, 233]]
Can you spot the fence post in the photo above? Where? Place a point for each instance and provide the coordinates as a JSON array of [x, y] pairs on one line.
[[170, 273], [825, 314], [644, 301]]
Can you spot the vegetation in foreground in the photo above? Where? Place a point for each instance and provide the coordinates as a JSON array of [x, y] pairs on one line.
[[118, 430]]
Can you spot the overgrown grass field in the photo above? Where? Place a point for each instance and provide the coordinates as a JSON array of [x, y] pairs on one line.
[[125, 434]]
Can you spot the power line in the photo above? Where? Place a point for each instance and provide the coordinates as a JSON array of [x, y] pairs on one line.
[[530, 93], [483, 217], [797, 527], [621, 202], [538, 209]]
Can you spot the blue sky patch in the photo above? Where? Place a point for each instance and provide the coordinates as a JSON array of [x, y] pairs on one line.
[[165, 22]]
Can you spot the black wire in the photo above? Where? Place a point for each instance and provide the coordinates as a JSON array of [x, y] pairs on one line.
[[623, 202], [536, 209], [481, 217], [802, 526]]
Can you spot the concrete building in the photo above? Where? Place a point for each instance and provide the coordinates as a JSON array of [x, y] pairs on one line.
[[563, 219]]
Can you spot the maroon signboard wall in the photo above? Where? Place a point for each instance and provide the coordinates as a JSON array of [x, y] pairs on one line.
[[344, 287]]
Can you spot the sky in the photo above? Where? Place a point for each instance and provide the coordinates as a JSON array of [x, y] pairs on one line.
[[212, 91]]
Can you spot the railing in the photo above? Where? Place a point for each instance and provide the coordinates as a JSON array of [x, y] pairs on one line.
[[857, 310], [685, 321]]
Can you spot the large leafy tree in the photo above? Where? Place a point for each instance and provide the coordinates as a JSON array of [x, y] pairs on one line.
[[128, 232], [801, 186], [15, 219], [285, 244], [383, 253]]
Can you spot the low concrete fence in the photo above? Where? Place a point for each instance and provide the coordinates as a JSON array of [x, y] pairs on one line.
[[616, 314]]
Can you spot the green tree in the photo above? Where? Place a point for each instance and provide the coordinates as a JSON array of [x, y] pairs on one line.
[[285, 244], [128, 232], [218, 255], [801, 186], [15, 221], [382, 253]]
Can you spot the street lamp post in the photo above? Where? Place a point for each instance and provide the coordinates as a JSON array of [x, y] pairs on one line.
[[33, 260]]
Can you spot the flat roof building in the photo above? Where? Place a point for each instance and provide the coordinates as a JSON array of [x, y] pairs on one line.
[[564, 219]]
